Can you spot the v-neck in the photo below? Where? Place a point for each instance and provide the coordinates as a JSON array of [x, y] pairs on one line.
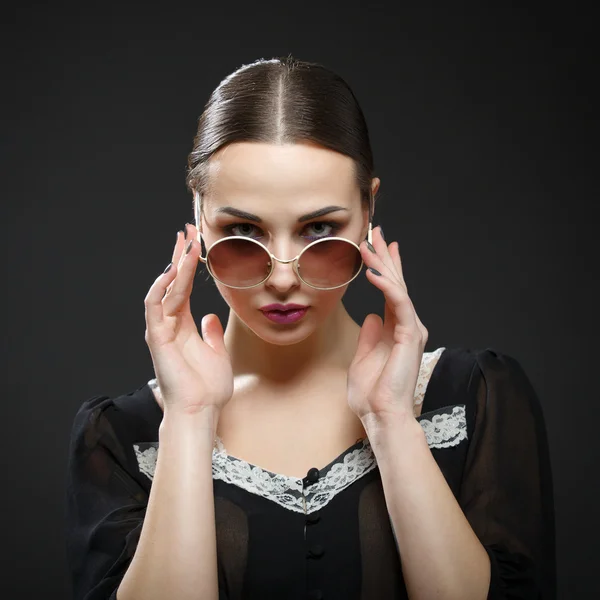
[[363, 446]]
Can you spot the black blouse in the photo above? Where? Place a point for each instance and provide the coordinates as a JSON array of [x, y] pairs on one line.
[[329, 535]]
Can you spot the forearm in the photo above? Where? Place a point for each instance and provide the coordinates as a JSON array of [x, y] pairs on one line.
[[442, 558], [176, 555]]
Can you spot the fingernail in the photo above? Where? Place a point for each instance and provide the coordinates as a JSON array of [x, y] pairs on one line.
[[374, 271], [185, 232], [370, 247], [189, 247], [168, 267], [177, 237], [381, 231]]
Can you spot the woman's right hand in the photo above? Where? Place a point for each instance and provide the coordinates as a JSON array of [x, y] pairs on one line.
[[194, 373]]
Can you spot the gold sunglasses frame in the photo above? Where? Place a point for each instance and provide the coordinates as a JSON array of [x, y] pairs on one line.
[[273, 258]]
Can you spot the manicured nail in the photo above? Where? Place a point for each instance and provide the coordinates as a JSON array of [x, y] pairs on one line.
[[189, 247], [177, 237], [185, 232], [168, 267], [381, 231], [370, 247], [374, 271]]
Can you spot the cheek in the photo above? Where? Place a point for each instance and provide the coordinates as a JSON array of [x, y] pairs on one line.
[[326, 302], [236, 299]]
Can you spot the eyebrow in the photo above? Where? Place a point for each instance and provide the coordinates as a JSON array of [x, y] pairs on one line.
[[236, 212]]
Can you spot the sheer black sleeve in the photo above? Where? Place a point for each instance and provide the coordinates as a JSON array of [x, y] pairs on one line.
[[105, 505], [507, 488]]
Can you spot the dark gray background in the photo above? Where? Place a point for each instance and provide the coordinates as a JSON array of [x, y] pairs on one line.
[[481, 123]]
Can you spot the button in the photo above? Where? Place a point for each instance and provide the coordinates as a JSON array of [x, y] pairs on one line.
[[316, 551], [313, 518], [316, 595], [311, 477]]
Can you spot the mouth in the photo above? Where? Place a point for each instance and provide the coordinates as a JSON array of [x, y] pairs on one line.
[[282, 307], [285, 316]]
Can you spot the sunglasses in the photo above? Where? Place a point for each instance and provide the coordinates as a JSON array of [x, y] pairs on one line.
[[241, 262]]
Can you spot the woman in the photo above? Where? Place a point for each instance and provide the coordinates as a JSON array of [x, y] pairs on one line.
[[301, 454]]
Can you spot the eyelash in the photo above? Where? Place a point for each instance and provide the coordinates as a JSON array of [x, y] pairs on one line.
[[335, 227]]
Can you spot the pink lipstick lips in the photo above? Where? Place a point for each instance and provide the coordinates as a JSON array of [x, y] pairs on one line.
[[284, 313]]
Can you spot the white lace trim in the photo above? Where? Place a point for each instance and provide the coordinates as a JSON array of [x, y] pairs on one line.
[[428, 362], [288, 491], [445, 427], [147, 458]]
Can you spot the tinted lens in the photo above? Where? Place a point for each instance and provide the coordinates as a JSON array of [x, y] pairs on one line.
[[243, 263], [330, 263], [239, 263]]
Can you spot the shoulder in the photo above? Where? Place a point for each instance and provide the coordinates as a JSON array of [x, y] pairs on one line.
[[478, 380], [498, 387], [134, 415], [493, 369], [472, 363]]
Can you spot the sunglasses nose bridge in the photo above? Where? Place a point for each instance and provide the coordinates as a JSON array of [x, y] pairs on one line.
[[285, 262]]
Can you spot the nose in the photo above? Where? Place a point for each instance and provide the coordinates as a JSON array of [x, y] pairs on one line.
[[283, 277]]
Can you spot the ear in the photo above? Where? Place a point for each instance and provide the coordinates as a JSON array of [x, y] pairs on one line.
[[375, 183]]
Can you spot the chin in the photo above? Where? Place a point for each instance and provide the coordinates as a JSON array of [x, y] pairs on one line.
[[281, 335]]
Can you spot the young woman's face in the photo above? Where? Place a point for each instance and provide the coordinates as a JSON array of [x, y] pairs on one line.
[[280, 184]]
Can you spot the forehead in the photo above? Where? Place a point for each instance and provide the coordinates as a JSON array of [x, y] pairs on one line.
[[259, 171]]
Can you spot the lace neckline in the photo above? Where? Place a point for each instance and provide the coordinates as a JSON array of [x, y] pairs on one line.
[[361, 446], [220, 452]]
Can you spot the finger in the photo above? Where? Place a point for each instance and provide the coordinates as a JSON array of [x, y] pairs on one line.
[[153, 300], [368, 336], [397, 297], [184, 243], [424, 332], [191, 234], [181, 288], [394, 250], [212, 333], [179, 245], [389, 323], [177, 252], [382, 249], [381, 259]]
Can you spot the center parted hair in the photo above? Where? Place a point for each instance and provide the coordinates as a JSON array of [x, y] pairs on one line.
[[282, 101]]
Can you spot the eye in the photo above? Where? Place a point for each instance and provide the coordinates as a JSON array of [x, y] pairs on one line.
[[323, 229], [231, 229], [330, 229]]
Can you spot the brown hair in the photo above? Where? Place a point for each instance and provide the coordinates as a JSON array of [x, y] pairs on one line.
[[282, 100]]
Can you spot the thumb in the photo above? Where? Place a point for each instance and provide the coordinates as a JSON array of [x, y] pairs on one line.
[[212, 333], [369, 336]]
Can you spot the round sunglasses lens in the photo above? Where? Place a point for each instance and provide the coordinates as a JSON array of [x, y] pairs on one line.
[[330, 263], [239, 263]]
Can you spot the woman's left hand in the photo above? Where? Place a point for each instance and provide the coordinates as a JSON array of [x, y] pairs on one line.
[[383, 374]]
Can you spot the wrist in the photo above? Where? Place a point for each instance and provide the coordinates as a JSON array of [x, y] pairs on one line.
[[200, 418], [397, 425]]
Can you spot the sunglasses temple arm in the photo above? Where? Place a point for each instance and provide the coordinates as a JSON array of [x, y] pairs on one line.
[[370, 231], [197, 219]]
